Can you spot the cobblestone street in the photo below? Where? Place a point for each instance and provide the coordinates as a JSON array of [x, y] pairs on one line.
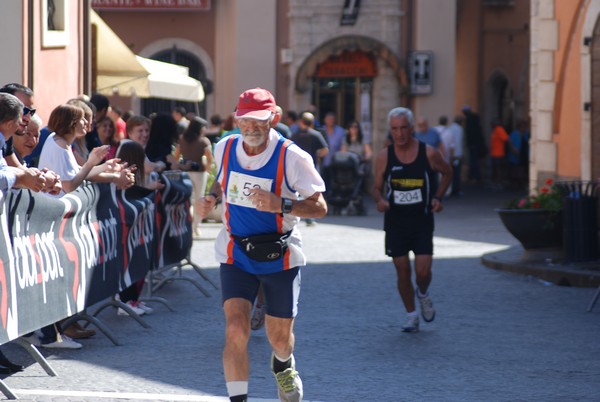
[[497, 336]]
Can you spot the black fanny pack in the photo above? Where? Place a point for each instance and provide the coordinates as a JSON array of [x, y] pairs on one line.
[[265, 247]]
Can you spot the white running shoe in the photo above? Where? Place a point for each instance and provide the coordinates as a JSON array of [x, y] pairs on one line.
[[258, 317], [289, 384], [427, 310], [62, 342], [134, 306], [412, 324], [147, 309]]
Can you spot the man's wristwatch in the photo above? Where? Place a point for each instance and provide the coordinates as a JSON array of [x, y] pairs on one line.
[[435, 197], [286, 206]]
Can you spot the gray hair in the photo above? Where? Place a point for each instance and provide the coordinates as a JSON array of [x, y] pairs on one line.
[[402, 112], [36, 119], [11, 108]]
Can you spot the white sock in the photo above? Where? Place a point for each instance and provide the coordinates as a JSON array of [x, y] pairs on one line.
[[237, 388], [413, 314], [282, 360], [421, 295]]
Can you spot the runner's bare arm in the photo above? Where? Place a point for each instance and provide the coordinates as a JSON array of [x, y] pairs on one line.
[[311, 207], [206, 203], [439, 164], [377, 191]]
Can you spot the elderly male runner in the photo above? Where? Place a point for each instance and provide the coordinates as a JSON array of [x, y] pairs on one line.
[[408, 167], [260, 176]]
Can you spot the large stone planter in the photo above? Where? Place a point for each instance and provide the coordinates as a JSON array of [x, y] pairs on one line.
[[534, 228]]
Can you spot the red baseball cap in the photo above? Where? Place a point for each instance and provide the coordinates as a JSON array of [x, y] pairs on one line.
[[256, 104]]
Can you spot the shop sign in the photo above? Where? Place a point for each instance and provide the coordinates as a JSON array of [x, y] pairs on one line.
[[421, 73], [350, 12], [348, 64], [152, 5]]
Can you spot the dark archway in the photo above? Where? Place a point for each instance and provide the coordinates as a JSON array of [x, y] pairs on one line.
[[497, 102], [347, 43], [196, 70]]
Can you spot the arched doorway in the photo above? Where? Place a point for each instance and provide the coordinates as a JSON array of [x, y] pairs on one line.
[[196, 70], [497, 104], [342, 84], [496, 108], [385, 89]]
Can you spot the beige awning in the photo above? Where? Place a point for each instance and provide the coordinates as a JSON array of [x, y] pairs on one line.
[[121, 72], [171, 81]]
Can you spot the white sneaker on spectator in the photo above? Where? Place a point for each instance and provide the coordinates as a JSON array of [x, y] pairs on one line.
[[147, 309], [133, 305], [32, 339], [63, 342]]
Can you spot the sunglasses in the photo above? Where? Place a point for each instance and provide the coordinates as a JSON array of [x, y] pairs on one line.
[[27, 111], [246, 123]]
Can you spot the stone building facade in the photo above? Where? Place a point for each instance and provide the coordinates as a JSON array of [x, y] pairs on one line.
[[316, 35], [565, 88]]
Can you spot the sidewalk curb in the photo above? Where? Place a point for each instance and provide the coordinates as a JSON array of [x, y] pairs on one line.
[[511, 260]]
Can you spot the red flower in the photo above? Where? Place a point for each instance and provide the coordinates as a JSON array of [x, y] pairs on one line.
[[548, 197]]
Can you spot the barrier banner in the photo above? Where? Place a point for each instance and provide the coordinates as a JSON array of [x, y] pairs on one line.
[[174, 220], [126, 223], [60, 255]]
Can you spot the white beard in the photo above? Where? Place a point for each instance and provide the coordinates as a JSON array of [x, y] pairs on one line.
[[254, 141]]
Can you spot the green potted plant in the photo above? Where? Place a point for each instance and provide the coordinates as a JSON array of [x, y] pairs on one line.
[[536, 220]]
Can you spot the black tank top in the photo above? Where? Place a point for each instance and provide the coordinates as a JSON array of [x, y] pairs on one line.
[[409, 184]]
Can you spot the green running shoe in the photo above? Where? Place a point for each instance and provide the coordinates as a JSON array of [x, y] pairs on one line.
[[289, 384]]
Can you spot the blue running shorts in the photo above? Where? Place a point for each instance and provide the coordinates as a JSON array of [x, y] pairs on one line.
[[281, 289]]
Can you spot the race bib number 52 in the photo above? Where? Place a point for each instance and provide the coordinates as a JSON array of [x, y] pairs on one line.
[[240, 187], [407, 197]]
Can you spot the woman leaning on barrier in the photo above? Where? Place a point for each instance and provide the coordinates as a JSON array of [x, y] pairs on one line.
[[68, 123], [133, 153]]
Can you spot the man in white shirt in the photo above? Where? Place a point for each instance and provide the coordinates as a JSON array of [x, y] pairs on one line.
[[455, 152], [260, 179]]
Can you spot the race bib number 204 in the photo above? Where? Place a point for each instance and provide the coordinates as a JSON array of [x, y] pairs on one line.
[[241, 185], [407, 197]]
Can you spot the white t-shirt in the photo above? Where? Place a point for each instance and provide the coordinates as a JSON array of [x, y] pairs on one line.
[[457, 139], [60, 160], [448, 140], [301, 175]]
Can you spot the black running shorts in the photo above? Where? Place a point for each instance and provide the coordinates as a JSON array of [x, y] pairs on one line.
[[414, 235]]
